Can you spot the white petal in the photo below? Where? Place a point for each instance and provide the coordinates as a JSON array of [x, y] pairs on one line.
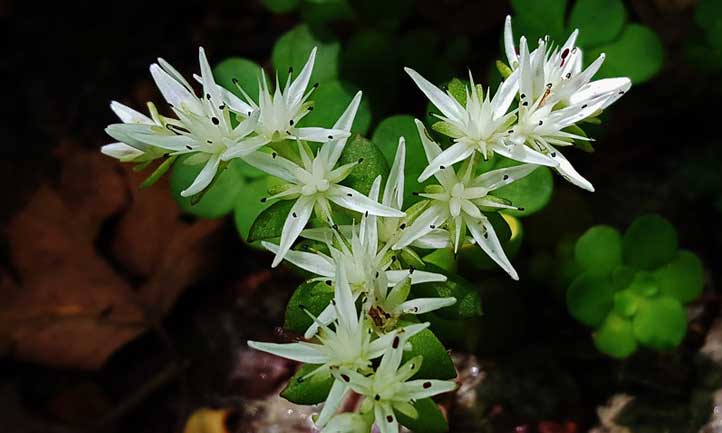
[[509, 46], [204, 178], [457, 152], [319, 135], [522, 153], [417, 277], [327, 316], [332, 150], [394, 189], [435, 215], [209, 84], [345, 307], [353, 200], [173, 72], [278, 166], [433, 240], [424, 305], [298, 87], [495, 179], [505, 95], [445, 103], [301, 352], [128, 115], [174, 92], [489, 242], [385, 419], [333, 402], [423, 388], [295, 222], [568, 172], [446, 177], [607, 86], [314, 263], [121, 151]]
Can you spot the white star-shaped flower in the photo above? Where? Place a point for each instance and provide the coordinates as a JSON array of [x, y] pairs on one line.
[[279, 112], [351, 345], [388, 390], [457, 203], [128, 149], [480, 126], [315, 184]]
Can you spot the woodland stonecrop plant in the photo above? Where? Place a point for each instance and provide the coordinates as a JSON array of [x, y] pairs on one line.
[[338, 213]]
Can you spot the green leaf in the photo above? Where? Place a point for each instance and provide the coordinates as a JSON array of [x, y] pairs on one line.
[[292, 50], [280, 6], [532, 192], [649, 242], [269, 223], [598, 21], [312, 390], [590, 298], [616, 337], [430, 419], [682, 278], [626, 303], [468, 300], [537, 18], [373, 165], [330, 101], [386, 137], [660, 323], [443, 258], [599, 249], [317, 12], [249, 206], [312, 295], [220, 196], [437, 364], [247, 72], [637, 54], [457, 88]]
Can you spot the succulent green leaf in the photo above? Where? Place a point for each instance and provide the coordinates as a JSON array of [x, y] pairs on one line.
[[660, 323], [537, 18], [590, 298], [292, 50], [312, 390], [599, 250], [468, 300], [314, 296], [615, 337], [682, 278], [599, 21], [649, 242], [430, 419], [637, 54], [532, 193], [249, 206], [330, 100], [437, 364], [443, 258], [220, 197], [247, 72], [457, 89], [626, 303], [374, 164], [280, 6], [269, 223]]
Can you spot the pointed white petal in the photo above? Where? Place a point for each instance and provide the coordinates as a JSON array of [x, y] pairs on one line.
[[509, 46], [318, 135], [174, 92], [505, 95], [489, 242], [353, 200], [445, 103], [430, 219], [423, 388], [278, 166], [433, 240], [204, 178], [522, 153], [327, 316], [332, 150], [394, 189], [295, 222], [495, 179], [424, 305], [301, 352], [385, 418], [338, 392], [128, 115], [344, 299], [457, 152], [299, 85], [121, 151], [568, 172], [314, 263], [417, 277]]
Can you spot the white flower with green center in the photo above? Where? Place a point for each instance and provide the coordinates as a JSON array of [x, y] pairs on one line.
[[367, 263], [315, 184], [388, 390], [349, 345], [128, 149], [480, 126], [558, 71], [203, 127], [279, 112], [456, 204]]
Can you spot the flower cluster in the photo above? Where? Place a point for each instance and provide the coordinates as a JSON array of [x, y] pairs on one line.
[[372, 261]]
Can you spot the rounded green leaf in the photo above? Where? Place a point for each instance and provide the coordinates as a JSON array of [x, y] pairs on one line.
[[330, 101], [626, 303], [649, 242], [280, 6], [430, 419], [590, 298], [531, 193], [269, 223], [637, 54], [374, 164], [537, 18], [311, 390], [660, 323], [220, 197], [468, 300], [682, 278], [386, 137], [247, 72], [249, 206], [643, 284], [314, 296], [615, 337], [599, 249], [436, 364], [443, 258], [598, 21], [292, 50]]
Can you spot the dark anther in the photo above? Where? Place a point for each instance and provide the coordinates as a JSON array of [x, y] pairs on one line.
[[360, 160], [188, 147], [215, 120], [290, 70], [345, 378], [427, 385], [377, 397], [349, 194], [290, 122], [234, 80], [294, 215], [522, 96], [330, 137], [315, 85], [389, 418], [274, 155], [569, 75], [584, 106], [396, 342], [432, 226], [525, 103], [506, 176], [411, 270], [415, 193], [299, 380], [442, 167], [310, 108], [328, 282], [208, 96], [402, 226], [549, 85], [264, 199], [565, 53], [554, 154], [541, 122]]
